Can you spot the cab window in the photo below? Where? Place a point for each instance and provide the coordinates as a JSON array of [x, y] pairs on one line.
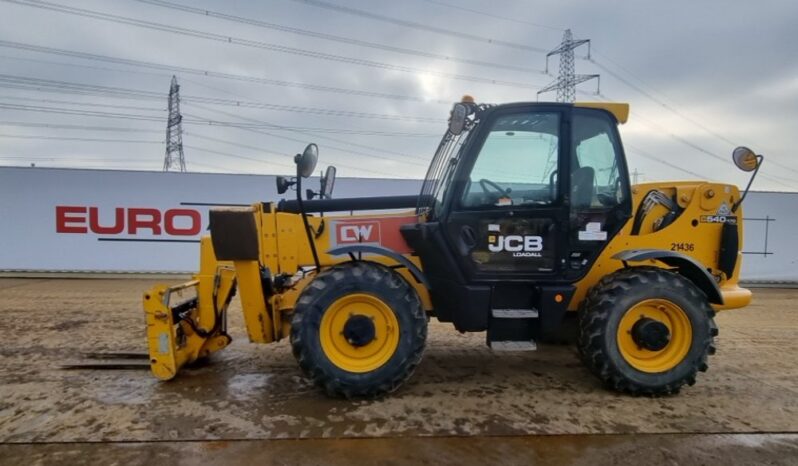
[[517, 163], [595, 174]]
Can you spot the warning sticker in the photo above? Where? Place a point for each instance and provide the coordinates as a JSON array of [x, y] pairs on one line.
[[593, 232]]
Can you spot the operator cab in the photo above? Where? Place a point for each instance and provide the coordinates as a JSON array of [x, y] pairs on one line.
[[519, 200]]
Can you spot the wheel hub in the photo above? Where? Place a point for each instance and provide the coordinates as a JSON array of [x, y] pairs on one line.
[[651, 334], [359, 330]]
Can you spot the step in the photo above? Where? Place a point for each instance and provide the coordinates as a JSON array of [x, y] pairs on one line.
[[515, 313], [513, 345]]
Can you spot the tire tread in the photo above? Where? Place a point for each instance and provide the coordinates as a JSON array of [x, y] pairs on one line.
[[600, 303]]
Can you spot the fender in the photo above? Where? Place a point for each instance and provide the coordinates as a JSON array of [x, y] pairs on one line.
[[685, 265], [381, 251]]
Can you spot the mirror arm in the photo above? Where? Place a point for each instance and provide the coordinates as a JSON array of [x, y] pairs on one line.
[[302, 212], [737, 204]]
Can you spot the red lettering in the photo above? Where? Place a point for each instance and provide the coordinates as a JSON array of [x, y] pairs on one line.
[[192, 230], [119, 222], [143, 218], [65, 223], [84, 219]]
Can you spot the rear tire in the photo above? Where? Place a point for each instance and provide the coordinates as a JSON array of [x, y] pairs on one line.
[[336, 345], [612, 348]]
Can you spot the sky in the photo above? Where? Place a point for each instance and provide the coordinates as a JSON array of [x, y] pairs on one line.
[[372, 82]]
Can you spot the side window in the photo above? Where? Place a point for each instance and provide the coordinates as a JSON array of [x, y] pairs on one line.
[[595, 175], [517, 163]]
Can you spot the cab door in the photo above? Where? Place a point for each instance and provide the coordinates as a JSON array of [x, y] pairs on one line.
[[600, 197], [507, 217]]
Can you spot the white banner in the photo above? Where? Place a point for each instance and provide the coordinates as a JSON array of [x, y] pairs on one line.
[[124, 221], [770, 243]]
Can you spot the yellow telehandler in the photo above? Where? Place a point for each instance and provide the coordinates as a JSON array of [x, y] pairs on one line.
[[525, 220]]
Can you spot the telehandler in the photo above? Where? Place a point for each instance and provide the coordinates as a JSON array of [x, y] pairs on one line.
[[526, 218]]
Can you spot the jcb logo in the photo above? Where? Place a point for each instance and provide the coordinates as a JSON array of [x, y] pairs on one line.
[[367, 232], [520, 246]]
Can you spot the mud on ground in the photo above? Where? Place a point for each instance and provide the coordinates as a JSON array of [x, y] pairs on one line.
[[460, 389]]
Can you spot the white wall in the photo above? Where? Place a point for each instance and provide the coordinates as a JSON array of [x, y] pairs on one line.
[[29, 240], [781, 262], [29, 198]]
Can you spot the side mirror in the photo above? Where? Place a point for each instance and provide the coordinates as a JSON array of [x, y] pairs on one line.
[[328, 182], [457, 119], [306, 162], [283, 184], [745, 159]]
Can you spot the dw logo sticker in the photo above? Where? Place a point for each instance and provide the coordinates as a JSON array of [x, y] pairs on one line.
[[371, 231], [358, 233]]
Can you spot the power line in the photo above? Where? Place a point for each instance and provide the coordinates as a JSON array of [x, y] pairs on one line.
[[104, 166], [192, 121], [419, 26], [655, 99], [262, 124], [85, 104], [260, 150], [305, 1], [315, 130], [242, 157], [237, 156], [256, 148], [696, 147], [200, 72], [316, 111], [311, 133], [245, 78], [334, 38], [492, 15], [308, 132], [271, 126], [671, 108], [658, 101], [67, 158], [260, 45], [65, 138], [347, 151], [67, 111], [659, 160], [25, 124], [133, 93], [701, 149]]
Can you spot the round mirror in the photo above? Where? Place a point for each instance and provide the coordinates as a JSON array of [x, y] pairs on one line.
[[457, 120], [745, 159], [306, 163], [328, 183]]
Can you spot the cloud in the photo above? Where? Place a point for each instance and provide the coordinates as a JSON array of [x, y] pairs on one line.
[[729, 66]]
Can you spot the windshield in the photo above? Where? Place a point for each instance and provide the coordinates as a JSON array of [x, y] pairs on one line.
[[516, 162]]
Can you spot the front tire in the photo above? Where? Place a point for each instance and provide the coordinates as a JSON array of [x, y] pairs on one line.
[[646, 331], [358, 330]]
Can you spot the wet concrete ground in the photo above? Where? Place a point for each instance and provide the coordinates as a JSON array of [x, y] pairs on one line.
[[464, 401]]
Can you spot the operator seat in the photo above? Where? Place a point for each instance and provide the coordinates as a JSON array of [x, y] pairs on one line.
[[582, 187]]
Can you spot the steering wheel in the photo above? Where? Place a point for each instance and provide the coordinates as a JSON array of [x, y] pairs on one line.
[[485, 183], [610, 198]]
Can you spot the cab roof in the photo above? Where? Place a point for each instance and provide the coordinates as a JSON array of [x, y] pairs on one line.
[[619, 110]]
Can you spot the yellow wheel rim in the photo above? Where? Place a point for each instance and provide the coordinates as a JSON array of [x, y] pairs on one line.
[[678, 324], [373, 354]]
